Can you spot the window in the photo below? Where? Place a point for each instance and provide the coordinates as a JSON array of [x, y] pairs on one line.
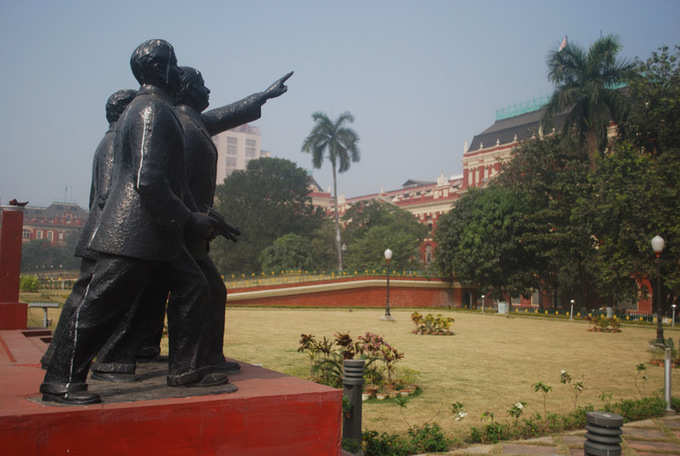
[[38, 234], [61, 236], [231, 162], [250, 143], [26, 234], [232, 145], [250, 152], [428, 254], [50, 236]]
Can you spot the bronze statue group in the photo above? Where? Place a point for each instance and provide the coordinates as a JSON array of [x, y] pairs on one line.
[[145, 245]]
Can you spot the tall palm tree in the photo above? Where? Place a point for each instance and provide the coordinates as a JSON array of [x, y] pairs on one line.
[[338, 143], [586, 86]]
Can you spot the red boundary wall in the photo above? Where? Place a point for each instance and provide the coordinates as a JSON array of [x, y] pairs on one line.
[[12, 312], [352, 292]]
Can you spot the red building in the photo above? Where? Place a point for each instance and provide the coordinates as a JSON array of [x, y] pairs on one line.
[[53, 223]]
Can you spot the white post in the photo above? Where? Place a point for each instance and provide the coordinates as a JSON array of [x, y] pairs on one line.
[[667, 381], [571, 314]]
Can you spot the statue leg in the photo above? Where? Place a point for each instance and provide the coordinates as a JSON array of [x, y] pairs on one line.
[[86, 267], [187, 308], [114, 285], [116, 361]]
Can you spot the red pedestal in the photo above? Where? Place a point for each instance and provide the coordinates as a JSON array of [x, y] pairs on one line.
[[12, 312], [270, 414]]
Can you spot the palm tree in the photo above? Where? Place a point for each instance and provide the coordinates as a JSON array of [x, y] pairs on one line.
[[340, 144], [586, 86]]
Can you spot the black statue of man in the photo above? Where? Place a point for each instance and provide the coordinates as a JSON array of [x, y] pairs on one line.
[[102, 167], [116, 362], [140, 232]]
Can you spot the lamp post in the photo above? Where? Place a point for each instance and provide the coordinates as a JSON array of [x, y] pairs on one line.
[[673, 322], [483, 296], [657, 246], [388, 257], [571, 314]]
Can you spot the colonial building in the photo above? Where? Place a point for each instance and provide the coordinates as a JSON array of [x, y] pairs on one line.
[[53, 223]]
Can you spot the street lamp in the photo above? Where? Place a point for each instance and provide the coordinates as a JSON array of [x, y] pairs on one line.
[[387, 316], [657, 246], [483, 296], [571, 314], [673, 322]]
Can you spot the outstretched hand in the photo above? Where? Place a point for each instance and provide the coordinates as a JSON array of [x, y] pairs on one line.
[[278, 88]]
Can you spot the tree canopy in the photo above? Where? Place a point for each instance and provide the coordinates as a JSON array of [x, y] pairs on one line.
[[267, 200]]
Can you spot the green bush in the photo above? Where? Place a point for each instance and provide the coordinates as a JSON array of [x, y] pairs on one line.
[[428, 438], [420, 440], [384, 444], [29, 283], [640, 409]]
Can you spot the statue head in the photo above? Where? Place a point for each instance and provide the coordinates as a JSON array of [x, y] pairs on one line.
[[192, 90], [117, 102], [154, 63]]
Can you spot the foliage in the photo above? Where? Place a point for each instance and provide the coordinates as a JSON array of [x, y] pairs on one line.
[[517, 409], [586, 87], [603, 324], [351, 445], [28, 283], [375, 226], [638, 409], [427, 438], [641, 193], [479, 242], [326, 357], [653, 121], [577, 386], [432, 324], [339, 144], [641, 378], [540, 387], [42, 255], [290, 251], [553, 174], [267, 200]]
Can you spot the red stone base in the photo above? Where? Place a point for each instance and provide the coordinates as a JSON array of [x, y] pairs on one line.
[[13, 315], [270, 414]]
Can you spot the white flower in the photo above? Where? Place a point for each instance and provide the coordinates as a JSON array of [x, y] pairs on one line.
[[519, 405], [461, 415], [563, 371]]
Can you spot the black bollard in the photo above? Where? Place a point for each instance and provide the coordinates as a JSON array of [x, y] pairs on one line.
[[604, 434], [353, 383]]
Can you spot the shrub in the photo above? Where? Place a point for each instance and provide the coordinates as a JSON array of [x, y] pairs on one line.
[[29, 283], [437, 325], [640, 409], [428, 438]]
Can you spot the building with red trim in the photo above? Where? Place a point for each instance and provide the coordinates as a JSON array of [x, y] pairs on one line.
[[53, 223]]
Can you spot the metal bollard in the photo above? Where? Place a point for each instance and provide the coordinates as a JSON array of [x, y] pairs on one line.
[[353, 385], [604, 434], [667, 381]]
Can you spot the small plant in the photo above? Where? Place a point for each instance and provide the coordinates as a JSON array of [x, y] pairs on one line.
[[488, 416], [516, 410], [606, 398], [641, 378], [576, 386], [602, 324], [458, 411], [541, 387], [29, 283], [437, 325]]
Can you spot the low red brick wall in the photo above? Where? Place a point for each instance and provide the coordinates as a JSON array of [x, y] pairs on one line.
[[360, 292]]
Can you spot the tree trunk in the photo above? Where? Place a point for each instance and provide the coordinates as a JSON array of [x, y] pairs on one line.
[[338, 240]]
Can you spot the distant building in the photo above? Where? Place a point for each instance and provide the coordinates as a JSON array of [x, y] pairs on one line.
[[235, 148], [53, 223]]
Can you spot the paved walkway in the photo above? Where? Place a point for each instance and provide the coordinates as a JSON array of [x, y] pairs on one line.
[[654, 437]]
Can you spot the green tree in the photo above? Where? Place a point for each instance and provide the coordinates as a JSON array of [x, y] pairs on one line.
[[372, 227], [479, 242], [40, 255], [339, 144], [290, 251], [586, 86], [266, 201], [653, 122], [553, 174]]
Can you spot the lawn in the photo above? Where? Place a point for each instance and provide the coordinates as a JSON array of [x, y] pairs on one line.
[[491, 363]]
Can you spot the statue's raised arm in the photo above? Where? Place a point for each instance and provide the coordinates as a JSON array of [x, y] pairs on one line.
[[243, 111]]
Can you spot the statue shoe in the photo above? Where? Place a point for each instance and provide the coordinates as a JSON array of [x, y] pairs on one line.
[[227, 366], [68, 393], [75, 398], [215, 379]]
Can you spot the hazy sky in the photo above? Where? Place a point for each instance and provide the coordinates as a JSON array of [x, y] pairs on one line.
[[419, 77]]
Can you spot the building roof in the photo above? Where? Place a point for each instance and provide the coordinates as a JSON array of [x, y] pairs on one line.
[[519, 128]]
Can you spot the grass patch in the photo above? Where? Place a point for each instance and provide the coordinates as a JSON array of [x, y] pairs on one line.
[[490, 364]]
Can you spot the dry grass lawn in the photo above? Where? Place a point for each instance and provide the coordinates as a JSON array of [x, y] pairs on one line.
[[489, 364]]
